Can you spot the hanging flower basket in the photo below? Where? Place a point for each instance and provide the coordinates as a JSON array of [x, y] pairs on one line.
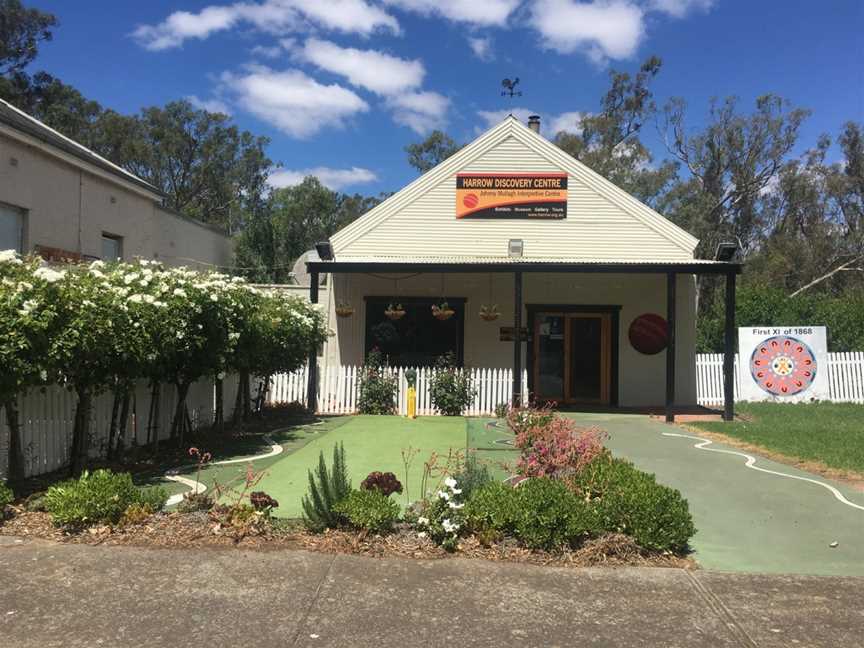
[[489, 313], [394, 312], [344, 309], [442, 311]]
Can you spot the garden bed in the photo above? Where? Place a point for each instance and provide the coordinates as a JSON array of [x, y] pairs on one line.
[[177, 530]]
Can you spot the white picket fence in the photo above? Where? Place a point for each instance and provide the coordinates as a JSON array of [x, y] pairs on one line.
[[47, 417], [338, 389], [845, 378]]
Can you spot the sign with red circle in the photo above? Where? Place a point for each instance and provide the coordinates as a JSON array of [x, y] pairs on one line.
[[783, 366], [649, 334]]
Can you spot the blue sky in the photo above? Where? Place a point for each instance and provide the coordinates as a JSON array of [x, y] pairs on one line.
[[341, 86]]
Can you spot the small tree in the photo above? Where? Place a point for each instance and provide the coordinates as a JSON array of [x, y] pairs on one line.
[[378, 388], [451, 389]]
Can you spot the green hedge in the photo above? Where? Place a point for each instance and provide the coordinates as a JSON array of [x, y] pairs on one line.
[[370, 510], [610, 496], [98, 497]]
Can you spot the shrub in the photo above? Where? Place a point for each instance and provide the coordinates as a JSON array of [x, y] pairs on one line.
[[370, 510], [472, 476], [262, 502], [627, 500], [135, 514], [443, 518], [98, 497], [542, 513], [377, 389], [520, 419], [330, 488], [193, 502], [501, 410], [6, 495], [557, 447], [450, 389], [385, 483]]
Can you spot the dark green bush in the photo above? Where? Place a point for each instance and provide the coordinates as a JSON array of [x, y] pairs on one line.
[[542, 513], [330, 488], [378, 388], [450, 389], [627, 500], [370, 510], [6, 495], [472, 476], [99, 497]]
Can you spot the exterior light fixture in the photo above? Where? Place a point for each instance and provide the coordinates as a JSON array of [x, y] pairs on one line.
[[515, 247], [325, 250], [726, 251]]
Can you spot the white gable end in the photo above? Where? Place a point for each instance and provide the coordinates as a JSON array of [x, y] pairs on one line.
[[602, 222]]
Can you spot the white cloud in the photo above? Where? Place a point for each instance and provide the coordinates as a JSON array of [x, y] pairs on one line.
[[420, 111], [680, 8], [486, 13], [550, 125], [272, 16], [603, 29], [293, 102], [482, 48], [272, 51], [210, 105], [376, 71], [335, 179]]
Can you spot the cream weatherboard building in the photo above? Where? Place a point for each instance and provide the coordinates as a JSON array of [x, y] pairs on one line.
[[601, 287], [65, 202]]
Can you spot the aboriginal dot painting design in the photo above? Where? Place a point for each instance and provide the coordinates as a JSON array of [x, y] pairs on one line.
[[783, 366]]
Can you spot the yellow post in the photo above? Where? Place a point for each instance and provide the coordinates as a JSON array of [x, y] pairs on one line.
[[412, 403]]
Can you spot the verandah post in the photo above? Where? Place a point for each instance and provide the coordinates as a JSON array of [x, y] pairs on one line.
[[312, 381], [517, 340], [729, 350], [671, 281]]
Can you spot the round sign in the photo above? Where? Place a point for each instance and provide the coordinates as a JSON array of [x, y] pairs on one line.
[[783, 366], [649, 334], [470, 201]]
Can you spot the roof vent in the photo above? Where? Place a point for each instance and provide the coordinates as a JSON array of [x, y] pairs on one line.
[[534, 123]]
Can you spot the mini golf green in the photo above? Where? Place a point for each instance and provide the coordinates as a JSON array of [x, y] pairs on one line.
[[371, 443]]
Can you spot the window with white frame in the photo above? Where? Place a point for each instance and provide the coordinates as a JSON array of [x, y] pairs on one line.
[[11, 228], [112, 247]]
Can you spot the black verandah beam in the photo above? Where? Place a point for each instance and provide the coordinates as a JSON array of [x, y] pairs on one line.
[[671, 281], [312, 380], [517, 339], [729, 350]]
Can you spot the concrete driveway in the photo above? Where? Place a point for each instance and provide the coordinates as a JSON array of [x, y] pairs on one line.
[[747, 520], [76, 595]]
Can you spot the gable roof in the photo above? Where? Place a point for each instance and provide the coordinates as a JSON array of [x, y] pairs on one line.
[[540, 147], [20, 121]]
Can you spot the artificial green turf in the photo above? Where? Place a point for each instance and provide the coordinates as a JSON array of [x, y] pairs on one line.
[[832, 433]]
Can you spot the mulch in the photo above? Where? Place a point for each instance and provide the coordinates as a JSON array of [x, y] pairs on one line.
[[187, 530]]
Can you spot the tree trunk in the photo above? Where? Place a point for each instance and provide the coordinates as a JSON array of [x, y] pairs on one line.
[[238, 401], [153, 417], [124, 423], [219, 408], [16, 448], [81, 431], [115, 420], [178, 424], [263, 388], [247, 405]]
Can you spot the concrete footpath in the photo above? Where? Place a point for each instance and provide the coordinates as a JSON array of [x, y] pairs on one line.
[[76, 595]]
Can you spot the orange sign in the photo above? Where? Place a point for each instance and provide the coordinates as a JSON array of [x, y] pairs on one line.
[[511, 195]]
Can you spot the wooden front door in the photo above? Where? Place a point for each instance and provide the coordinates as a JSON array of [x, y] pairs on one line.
[[573, 357]]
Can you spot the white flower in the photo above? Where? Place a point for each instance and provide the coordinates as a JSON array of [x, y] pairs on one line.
[[97, 264], [422, 534], [220, 375], [28, 306], [214, 297], [456, 491], [8, 255], [43, 375], [136, 299], [179, 335], [443, 495], [49, 275], [150, 299], [423, 521], [143, 283], [96, 273], [128, 279], [179, 292], [450, 483], [455, 506], [450, 527]]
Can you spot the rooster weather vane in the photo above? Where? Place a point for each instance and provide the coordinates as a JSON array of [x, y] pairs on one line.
[[510, 88]]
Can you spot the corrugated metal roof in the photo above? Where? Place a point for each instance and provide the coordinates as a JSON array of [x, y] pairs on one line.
[[24, 123]]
